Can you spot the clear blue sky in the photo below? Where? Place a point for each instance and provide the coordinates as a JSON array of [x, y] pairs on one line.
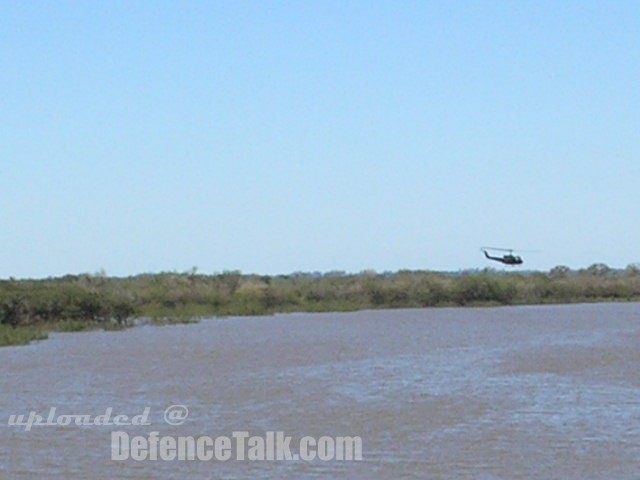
[[273, 136]]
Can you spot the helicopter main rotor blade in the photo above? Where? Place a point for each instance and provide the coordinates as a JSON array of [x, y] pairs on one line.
[[497, 248]]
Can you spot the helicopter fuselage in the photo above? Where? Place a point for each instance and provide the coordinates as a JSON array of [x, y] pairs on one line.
[[508, 259]]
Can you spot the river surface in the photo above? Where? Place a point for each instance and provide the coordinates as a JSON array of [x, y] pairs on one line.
[[544, 392]]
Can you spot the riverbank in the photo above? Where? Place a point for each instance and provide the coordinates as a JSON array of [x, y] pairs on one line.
[[24, 335], [29, 309]]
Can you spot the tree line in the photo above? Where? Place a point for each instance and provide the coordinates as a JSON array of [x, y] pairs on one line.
[[76, 302]]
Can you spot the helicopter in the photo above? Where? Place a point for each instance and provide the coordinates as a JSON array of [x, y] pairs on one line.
[[508, 258]]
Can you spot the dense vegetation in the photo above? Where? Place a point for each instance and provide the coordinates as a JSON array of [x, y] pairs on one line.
[[31, 308]]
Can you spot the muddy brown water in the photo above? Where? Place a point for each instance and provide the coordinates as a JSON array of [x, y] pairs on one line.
[[545, 392]]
